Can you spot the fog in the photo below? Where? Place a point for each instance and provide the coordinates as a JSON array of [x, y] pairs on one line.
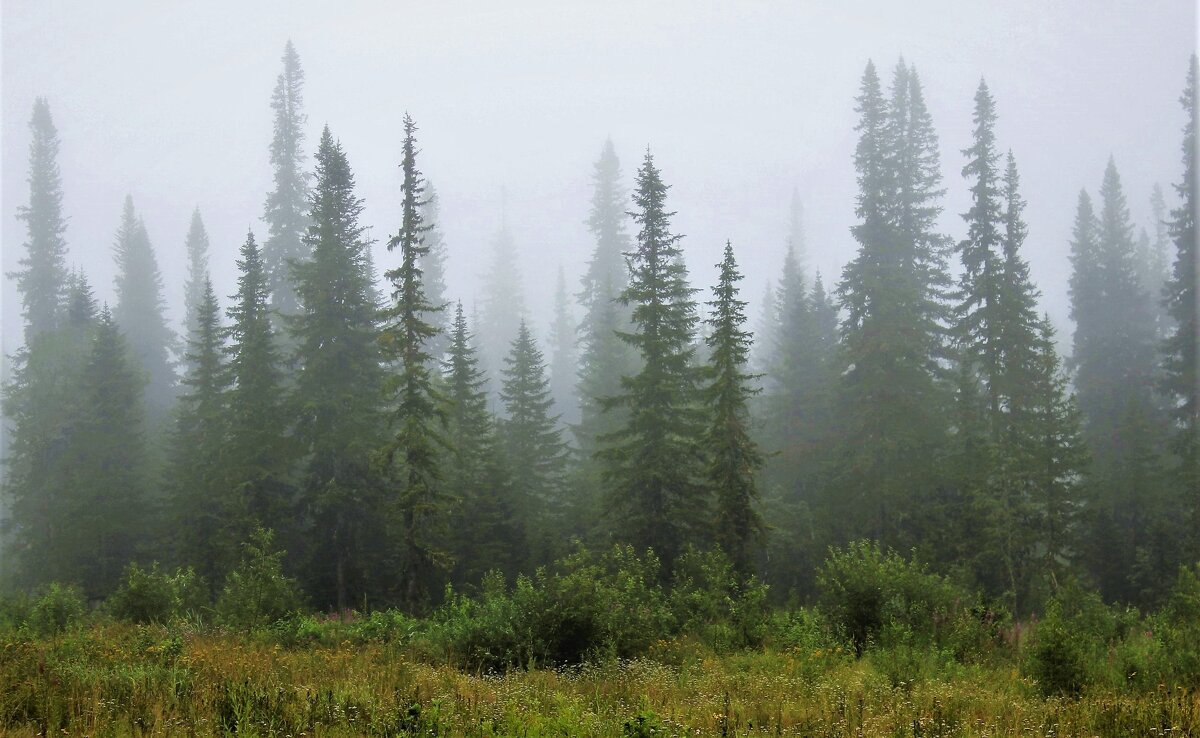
[[741, 104]]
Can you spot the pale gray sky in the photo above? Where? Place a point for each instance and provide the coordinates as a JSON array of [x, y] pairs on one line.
[[740, 102]]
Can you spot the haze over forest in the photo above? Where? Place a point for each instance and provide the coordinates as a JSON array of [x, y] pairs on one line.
[[742, 107]]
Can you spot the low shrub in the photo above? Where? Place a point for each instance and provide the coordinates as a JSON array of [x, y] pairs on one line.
[[60, 607], [710, 601], [154, 596], [257, 593]]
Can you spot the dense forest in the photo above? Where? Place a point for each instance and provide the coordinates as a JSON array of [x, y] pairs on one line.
[[383, 441]]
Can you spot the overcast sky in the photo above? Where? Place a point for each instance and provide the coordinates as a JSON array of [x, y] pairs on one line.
[[740, 102]]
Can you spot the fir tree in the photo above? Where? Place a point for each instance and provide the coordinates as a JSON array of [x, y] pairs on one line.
[[201, 501], [654, 464], [196, 246], [140, 312], [257, 456], [42, 279], [503, 302], [485, 534], [416, 417], [42, 405], [891, 404], [563, 367], [533, 442], [338, 386], [733, 457], [1181, 381], [603, 357], [286, 208], [105, 516]]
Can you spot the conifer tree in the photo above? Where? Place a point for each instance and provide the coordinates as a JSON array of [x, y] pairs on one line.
[[733, 457], [654, 465], [1181, 381], [286, 209], [891, 402], [338, 387], [486, 533], [563, 366], [603, 357], [42, 278], [201, 503], [257, 457], [42, 405], [503, 302], [762, 355], [196, 246], [1154, 268], [533, 442], [104, 518], [416, 416], [433, 272], [140, 312]]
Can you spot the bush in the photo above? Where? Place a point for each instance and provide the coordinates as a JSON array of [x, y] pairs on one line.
[[59, 608], [153, 596], [710, 601], [1058, 658], [257, 593], [1177, 627], [864, 589]]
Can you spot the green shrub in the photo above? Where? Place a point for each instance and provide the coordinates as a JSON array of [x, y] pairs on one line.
[[710, 601], [153, 596], [257, 593], [59, 608], [1177, 628], [1058, 657], [863, 589]]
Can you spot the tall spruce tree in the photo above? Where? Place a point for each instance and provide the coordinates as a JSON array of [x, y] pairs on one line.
[[563, 365], [257, 458], [286, 209], [1181, 381], [891, 402], [196, 248], [503, 302], [200, 499], [338, 388], [417, 415], [486, 533], [42, 406], [655, 496], [733, 456], [42, 278], [603, 357], [141, 312], [533, 444], [104, 518]]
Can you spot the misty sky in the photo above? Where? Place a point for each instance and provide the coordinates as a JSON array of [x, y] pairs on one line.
[[740, 102]]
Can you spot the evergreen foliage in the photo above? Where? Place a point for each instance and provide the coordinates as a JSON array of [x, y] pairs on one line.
[[563, 365], [733, 457], [655, 498], [42, 278], [196, 247], [433, 272]]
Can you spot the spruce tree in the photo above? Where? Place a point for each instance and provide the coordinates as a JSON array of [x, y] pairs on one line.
[[563, 366], [200, 499], [603, 357], [891, 402], [733, 457], [141, 312], [416, 417], [337, 392], [196, 246], [533, 443], [42, 278], [503, 302], [42, 405], [286, 209], [655, 498], [257, 457], [485, 531], [1181, 381], [104, 518]]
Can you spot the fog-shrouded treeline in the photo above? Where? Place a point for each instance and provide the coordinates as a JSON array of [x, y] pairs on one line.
[[395, 439]]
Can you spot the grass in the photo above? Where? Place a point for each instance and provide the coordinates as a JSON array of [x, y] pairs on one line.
[[116, 679]]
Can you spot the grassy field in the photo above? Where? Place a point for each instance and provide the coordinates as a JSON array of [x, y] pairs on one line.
[[116, 679]]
